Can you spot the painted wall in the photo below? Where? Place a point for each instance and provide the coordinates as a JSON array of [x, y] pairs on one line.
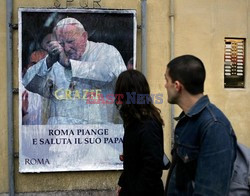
[[200, 29], [3, 103]]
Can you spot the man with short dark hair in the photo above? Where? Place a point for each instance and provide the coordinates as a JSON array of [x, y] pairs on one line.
[[204, 141]]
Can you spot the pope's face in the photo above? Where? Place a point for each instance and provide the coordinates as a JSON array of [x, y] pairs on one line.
[[72, 39]]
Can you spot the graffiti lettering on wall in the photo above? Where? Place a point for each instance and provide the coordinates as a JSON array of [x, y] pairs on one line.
[[81, 3]]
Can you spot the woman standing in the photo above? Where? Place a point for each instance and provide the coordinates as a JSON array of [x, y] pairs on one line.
[[143, 137]]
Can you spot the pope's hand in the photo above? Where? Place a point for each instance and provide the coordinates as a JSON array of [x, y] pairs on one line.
[[56, 53]]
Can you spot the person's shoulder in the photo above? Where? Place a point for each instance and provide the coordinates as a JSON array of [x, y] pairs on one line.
[[147, 123], [102, 45], [152, 122], [211, 116], [215, 113], [151, 125]]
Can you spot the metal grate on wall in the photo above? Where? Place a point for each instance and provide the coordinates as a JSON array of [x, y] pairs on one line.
[[234, 63]]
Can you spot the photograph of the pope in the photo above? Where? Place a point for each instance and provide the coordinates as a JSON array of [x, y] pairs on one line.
[[68, 65], [62, 67]]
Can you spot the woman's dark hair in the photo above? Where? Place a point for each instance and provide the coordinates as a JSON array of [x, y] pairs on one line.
[[190, 71], [136, 103]]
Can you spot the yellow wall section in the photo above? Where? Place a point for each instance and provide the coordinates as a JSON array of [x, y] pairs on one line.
[[3, 102], [201, 27]]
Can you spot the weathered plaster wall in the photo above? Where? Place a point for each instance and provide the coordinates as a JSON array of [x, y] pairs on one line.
[[3, 102], [200, 29]]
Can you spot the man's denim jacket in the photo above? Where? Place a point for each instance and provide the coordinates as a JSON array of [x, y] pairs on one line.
[[204, 139]]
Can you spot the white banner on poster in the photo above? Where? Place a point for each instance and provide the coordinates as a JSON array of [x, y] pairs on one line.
[[69, 60], [70, 148]]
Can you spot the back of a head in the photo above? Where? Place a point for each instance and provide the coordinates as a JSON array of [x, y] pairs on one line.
[[190, 71], [132, 83]]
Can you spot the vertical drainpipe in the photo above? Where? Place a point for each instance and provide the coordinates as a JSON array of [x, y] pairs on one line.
[[144, 36], [171, 16], [9, 6]]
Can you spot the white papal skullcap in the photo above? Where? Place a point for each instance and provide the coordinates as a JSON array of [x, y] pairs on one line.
[[69, 21]]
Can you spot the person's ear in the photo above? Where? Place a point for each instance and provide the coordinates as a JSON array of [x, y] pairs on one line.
[[178, 86], [85, 35]]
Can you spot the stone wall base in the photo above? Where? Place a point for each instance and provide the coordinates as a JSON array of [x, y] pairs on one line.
[[67, 193]]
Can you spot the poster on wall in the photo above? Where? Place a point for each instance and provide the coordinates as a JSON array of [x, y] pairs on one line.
[[69, 60]]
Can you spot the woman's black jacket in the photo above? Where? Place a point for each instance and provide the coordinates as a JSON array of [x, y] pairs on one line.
[[143, 157]]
